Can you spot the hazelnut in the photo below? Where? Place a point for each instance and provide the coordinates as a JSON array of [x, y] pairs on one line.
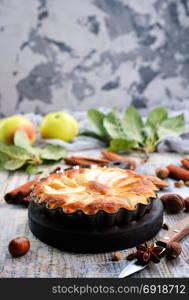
[[162, 173], [132, 164], [19, 246], [179, 183], [165, 226], [173, 203], [116, 256], [173, 250], [186, 203], [186, 183]]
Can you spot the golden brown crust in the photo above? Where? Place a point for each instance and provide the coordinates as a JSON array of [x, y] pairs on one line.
[[94, 189], [157, 181]]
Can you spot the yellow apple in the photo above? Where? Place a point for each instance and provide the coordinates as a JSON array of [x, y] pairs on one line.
[[8, 127], [59, 125]]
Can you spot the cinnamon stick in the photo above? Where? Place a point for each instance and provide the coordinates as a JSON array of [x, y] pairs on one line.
[[20, 195], [77, 160], [178, 173], [111, 156], [185, 163]]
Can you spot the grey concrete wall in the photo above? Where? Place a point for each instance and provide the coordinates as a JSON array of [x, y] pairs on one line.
[[78, 54]]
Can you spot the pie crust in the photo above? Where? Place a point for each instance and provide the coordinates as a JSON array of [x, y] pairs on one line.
[[97, 191]]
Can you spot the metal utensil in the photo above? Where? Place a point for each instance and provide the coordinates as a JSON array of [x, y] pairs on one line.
[[175, 234]]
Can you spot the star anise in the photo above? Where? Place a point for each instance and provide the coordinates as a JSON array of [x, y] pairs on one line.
[[145, 254]]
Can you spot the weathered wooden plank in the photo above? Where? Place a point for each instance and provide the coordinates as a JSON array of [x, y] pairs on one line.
[[45, 261]]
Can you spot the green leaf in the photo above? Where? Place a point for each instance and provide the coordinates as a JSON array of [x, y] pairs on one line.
[[13, 164], [96, 120], [21, 139], [91, 134], [151, 139], [156, 117], [113, 125], [172, 127], [12, 157], [14, 152], [53, 152], [118, 145], [33, 170], [3, 159], [8, 163], [2, 166], [133, 125]]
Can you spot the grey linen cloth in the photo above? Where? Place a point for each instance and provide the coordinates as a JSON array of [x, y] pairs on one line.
[[170, 144]]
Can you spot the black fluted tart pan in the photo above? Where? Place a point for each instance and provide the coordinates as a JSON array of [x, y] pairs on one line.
[[100, 219], [95, 240]]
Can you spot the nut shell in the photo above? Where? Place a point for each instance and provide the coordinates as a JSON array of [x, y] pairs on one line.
[[173, 250], [186, 203], [162, 173], [173, 203], [19, 246], [165, 226]]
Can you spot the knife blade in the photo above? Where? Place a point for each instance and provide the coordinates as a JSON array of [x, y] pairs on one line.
[[131, 268], [134, 266], [174, 234]]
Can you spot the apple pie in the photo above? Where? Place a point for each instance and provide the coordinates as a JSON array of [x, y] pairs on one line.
[[90, 190]]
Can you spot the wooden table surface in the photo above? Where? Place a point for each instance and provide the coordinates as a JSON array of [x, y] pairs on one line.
[[46, 261]]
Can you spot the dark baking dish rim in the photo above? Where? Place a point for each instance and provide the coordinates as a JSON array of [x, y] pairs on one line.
[[101, 218]]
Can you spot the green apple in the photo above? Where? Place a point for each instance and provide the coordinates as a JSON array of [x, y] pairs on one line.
[[59, 125], [8, 127]]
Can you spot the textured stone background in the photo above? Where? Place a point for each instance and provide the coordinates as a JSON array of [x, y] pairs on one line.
[[79, 54]]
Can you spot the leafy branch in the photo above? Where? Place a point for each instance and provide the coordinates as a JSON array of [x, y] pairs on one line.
[[130, 132], [23, 155]]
